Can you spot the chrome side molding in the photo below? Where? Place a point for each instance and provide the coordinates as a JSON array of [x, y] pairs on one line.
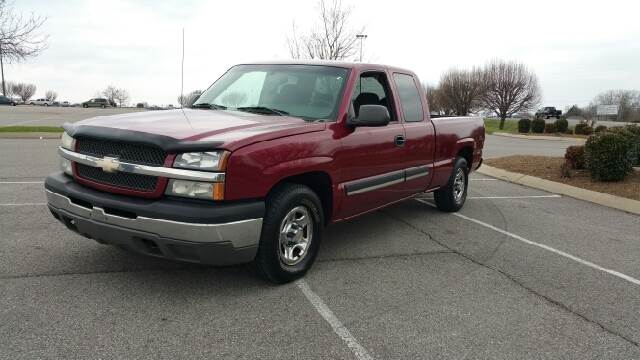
[[383, 180]]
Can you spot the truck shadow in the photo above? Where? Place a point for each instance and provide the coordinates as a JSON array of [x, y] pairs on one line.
[[369, 236]]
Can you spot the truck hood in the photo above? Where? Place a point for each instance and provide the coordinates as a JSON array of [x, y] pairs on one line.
[[233, 129]]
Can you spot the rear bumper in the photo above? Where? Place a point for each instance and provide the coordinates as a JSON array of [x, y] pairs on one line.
[[185, 230]]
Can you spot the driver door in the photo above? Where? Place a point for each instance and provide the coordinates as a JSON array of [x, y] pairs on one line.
[[371, 158]]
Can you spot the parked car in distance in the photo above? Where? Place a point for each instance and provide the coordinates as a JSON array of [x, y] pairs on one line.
[[41, 102], [65, 104], [96, 102], [266, 157], [6, 101], [548, 112]]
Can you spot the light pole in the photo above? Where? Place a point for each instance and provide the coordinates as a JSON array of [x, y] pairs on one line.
[[361, 37]]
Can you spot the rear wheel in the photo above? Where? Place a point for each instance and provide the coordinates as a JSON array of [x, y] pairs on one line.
[[451, 197], [85, 106], [103, 106], [291, 233]]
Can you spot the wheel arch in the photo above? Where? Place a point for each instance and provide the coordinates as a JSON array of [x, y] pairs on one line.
[[320, 182]]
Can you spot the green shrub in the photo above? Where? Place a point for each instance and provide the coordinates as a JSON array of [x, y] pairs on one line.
[[550, 128], [599, 129], [574, 156], [524, 125], [562, 125], [632, 135], [607, 156], [537, 126]]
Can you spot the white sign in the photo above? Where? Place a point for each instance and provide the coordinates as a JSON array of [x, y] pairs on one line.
[[607, 110]]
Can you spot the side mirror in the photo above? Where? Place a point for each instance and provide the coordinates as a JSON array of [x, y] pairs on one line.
[[371, 115]]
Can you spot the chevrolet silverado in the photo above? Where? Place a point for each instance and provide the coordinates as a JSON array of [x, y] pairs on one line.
[[266, 157]]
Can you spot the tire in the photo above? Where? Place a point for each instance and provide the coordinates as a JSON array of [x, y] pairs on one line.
[[45, 104], [85, 106], [102, 106], [287, 205], [451, 197]]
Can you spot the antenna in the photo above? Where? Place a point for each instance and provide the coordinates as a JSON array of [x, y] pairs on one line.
[[182, 74]]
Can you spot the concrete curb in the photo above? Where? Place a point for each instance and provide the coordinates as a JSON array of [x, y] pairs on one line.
[[30, 135], [612, 201], [536, 137]]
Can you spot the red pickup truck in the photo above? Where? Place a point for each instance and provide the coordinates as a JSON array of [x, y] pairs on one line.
[[265, 158]]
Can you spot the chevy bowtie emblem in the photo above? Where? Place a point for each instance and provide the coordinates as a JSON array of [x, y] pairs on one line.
[[108, 164]]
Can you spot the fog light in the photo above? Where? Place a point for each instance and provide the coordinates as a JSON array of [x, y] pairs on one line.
[[195, 189], [66, 166]]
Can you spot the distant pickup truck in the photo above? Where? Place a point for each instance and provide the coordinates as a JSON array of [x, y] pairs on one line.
[[265, 158], [548, 112]]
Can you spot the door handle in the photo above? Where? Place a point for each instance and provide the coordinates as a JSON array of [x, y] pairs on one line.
[[399, 140]]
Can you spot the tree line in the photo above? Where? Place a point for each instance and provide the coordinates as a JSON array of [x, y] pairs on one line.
[[25, 91], [505, 88]]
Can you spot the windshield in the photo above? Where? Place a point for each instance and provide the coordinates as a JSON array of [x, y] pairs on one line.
[[307, 91]]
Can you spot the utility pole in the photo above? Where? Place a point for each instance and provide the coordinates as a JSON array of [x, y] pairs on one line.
[[361, 37], [4, 86]]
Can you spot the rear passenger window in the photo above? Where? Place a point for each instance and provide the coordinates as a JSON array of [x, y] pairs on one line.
[[409, 97]]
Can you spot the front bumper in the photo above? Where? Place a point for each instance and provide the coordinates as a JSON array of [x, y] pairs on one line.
[[177, 229]]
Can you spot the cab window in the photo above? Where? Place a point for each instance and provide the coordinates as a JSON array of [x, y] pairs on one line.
[[372, 88], [409, 97]]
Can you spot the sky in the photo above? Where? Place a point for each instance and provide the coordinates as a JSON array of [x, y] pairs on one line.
[[576, 48]]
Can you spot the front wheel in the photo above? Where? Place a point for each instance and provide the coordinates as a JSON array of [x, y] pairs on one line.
[[452, 196], [291, 233]]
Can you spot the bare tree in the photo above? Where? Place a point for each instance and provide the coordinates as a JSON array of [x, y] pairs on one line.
[[510, 88], [461, 90], [122, 96], [51, 95], [19, 37], [109, 93], [189, 99], [332, 39], [8, 88], [432, 98], [24, 91]]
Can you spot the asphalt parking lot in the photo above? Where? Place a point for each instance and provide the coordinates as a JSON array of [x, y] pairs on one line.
[[519, 273]]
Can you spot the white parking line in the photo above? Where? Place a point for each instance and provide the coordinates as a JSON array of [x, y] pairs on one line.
[[546, 247], [24, 204], [21, 182], [337, 326], [483, 179], [515, 197]]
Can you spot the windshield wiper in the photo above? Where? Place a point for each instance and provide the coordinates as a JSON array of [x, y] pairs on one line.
[[208, 106], [262, 110]]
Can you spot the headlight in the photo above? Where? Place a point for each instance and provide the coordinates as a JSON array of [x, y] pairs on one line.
[[67, 141], [209, 161], [196, 189]]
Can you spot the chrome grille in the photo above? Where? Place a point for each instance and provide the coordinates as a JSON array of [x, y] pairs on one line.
[[126, 152]]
